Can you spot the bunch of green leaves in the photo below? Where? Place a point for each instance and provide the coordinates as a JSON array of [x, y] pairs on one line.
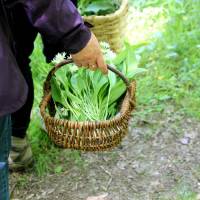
[[81, 94], [97, 7]]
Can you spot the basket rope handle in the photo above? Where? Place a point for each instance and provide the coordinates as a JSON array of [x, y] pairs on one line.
[[47, 85]]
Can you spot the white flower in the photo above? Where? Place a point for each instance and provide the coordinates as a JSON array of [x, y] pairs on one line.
[[109, 55], [104, 45], [59, 58]]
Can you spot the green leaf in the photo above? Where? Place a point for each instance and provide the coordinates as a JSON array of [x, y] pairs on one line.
[[131, 57], [58, 169], [97, 6], [98, 81], [112, 110], [131, 74], [117, 91], [55, 90], [77, 83], [62, 77], [100, 7], [112, 79], [120, 57]]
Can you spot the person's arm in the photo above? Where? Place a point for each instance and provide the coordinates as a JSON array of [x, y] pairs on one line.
[[59, 22]]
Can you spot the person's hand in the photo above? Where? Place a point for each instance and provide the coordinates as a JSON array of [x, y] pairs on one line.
[[91, 56]]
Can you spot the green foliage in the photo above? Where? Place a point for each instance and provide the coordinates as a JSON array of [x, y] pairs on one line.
[[83, 95], [58, 169], [140, 4], [184, 192], [97, 7], [172, 58]]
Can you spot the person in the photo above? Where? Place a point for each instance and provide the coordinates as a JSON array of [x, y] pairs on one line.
[[62, 29]]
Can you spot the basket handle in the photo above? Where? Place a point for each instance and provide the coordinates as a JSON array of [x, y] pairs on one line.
[[47, 87], [126, 81]]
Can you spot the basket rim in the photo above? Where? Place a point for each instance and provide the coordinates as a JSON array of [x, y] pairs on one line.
[[129, 106], [117, 13]]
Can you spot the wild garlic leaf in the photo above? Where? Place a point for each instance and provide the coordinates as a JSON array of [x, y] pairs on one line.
[[117, 91], [98, 7], [77, 83], [112, 79], [120, 57], [132, 73], [98, 81], [55, 91]]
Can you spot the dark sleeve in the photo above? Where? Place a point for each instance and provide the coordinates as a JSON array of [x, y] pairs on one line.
[[59, 23]]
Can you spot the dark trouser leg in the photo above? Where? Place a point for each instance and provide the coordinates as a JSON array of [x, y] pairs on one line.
[[21, 118], [74, 2], [24, 35], [5, 135]]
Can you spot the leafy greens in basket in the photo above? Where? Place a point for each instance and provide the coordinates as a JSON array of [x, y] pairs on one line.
[[83, 95], [98, 7]]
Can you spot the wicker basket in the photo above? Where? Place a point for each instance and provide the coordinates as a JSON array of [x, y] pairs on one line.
[[110, 28], [88, 136]]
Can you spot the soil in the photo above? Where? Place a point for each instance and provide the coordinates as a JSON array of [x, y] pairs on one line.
[[157, 159]]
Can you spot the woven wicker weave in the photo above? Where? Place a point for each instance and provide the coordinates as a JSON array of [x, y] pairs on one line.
[[88, 136], [110, 28]]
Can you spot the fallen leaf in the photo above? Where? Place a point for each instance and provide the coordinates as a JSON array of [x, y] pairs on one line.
[[30, 196], [101, 197]]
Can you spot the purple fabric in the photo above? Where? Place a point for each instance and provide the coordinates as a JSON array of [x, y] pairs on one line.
[[13, 89], [59, 22], [60, 26]]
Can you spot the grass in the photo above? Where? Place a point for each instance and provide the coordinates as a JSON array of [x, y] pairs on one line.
[[172, 58], [184, 192]]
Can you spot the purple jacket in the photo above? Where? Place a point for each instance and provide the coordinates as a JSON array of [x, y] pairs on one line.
[[59, 24]]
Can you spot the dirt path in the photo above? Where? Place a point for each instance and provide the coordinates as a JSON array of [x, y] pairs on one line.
[[157, 160]]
